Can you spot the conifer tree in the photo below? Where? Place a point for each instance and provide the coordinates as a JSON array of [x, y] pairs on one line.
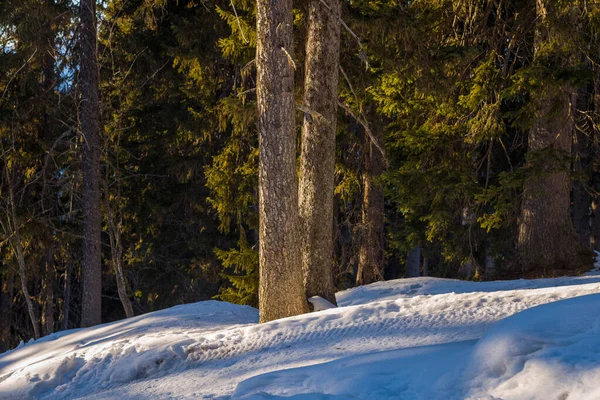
[[317, 158], [281, 292], [546, 235], [91, 144]]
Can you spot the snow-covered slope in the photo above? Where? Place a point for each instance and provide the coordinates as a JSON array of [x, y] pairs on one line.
[[548, 352], [427, 328]]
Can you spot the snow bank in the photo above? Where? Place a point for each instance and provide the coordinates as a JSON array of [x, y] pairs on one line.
[[205, 350], [76, 362], [547, 352]]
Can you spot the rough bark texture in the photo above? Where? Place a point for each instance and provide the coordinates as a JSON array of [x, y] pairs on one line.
[[545, 232], [90, 127], [317, 161], [413, 262], [547, 240], [371, 253], [281, 289]]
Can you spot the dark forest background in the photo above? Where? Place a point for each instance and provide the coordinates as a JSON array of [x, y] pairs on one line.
[[446, 164]]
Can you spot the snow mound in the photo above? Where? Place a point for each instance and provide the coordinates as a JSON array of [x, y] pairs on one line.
[[204, 350], [73, 363], [547, 352]]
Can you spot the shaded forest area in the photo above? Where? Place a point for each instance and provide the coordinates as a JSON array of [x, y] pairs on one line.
[[466, 145]]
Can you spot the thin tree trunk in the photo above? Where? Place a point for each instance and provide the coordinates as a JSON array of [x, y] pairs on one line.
[[18, 250], [48, 208], [90, 126], [10, 226], [6, 294], [116, 252], [317, 160], [582, 200], [595, 181], [281, 289], [66, 308], [48, 291], [413, 262], [547, 240], [371, 246]]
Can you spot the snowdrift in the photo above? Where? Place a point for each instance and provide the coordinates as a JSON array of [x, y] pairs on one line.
[[547, 352], [404, 339]]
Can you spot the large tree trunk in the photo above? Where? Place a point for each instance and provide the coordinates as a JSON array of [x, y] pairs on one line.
[[547, 240], [281, 290], [317, 161], [546, 236], [90, 127], [371, 252]]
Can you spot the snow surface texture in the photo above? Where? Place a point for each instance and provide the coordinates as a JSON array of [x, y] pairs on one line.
[[404, 339]]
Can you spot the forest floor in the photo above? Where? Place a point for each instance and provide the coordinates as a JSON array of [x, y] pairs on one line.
[[420, 338]]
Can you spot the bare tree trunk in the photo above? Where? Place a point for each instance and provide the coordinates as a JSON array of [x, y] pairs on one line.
[[116, 252], [6, 294], [66, 308], [425, 266], [595, 181], [90, 126], [547, 240], [317, 161], [48, 291], [18, 250], [371, 246], [281, 289], [10, 226], [413, 262], [584, 130]]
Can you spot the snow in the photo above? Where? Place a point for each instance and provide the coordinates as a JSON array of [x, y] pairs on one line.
[[419, 338], [320, 304]]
